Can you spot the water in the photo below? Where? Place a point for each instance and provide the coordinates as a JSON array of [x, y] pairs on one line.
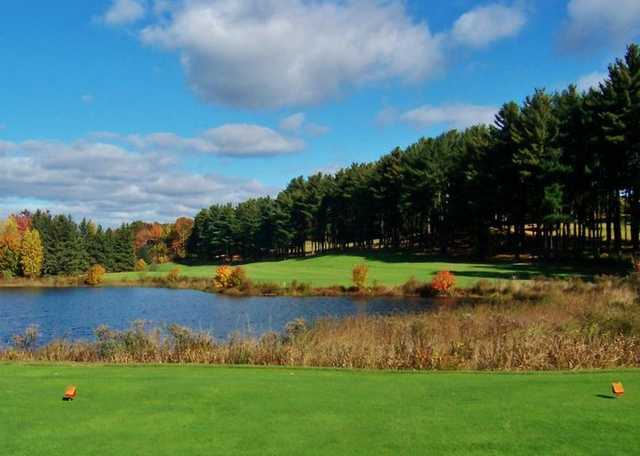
[[75, 313]]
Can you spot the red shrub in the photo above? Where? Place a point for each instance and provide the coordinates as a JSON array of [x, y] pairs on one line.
[[444, 282]]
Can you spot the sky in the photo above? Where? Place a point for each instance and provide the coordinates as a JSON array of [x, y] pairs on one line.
[[120, 110]]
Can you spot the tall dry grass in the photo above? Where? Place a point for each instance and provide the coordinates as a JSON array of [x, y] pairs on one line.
[[538, 326]]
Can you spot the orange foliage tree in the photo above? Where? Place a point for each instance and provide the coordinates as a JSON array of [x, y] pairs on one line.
[[444, 282], [179, 235], [10, 243]]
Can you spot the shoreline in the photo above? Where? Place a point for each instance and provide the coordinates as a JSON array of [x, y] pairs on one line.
[[259, 290]]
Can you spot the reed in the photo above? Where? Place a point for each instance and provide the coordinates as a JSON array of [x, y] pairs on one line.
[[543, 325]]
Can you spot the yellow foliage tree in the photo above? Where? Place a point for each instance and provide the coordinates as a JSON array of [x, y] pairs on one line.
[[223, 278], [31, 254], [95, 275], [140, 265], [228, 277]]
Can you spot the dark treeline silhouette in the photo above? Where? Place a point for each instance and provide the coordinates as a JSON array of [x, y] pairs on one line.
[[558, 175]]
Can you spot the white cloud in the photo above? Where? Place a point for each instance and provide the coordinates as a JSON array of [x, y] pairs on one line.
[[244, 139], [458, 116], [483, 25], [297, 123], [272, 53], [123, 12], [234, 140], [597, 23], [293, 122], [315, 129], [590, 80], [109, 183]]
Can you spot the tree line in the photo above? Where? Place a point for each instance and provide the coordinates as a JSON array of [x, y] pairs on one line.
[[556, 175], [35, 244]]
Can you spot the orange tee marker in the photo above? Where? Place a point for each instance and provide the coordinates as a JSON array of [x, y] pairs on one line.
[[617, 389], [70, 393]]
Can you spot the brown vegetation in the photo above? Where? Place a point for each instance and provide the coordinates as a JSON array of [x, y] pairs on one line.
[[538, 326], [95, 275]]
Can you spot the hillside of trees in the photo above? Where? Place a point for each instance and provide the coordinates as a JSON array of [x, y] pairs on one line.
[[59, 246], [35, 244], [557, 175]]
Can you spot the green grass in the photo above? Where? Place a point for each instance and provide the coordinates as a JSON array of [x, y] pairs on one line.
[[176, 410], [387, 269]]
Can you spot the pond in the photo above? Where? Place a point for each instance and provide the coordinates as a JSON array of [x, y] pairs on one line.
[[75, 313]]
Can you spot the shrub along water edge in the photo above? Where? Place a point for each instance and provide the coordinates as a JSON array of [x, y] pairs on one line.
[[539, 326]]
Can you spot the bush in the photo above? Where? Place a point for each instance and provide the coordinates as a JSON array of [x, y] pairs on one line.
[[411, 287], [95, 275], [269, 288], [6, 275], [140, 265], [222, 278], [359, 275], [239, 278], [228, 277], [28, 340], [296, 328], [173, 275], [444, 282]]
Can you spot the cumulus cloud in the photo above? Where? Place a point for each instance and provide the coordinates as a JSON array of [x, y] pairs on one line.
[[297, 123], [453, 115], [272, 53], [108, 182], [122, 12], [483, 25], [293, 122], [591, 80], [233, 140], [597, 23]]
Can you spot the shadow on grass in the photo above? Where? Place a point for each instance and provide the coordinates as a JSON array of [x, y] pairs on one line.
[[493, 269], [605, 396]]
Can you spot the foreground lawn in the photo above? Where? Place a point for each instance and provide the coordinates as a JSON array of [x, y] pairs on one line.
[[174, 410], [387, 269]]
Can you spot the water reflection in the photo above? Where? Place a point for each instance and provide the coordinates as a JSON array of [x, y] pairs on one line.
[[74, 313]]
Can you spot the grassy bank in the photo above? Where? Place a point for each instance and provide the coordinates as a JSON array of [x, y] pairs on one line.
[[385, 269], [160, 410], [518, 326]]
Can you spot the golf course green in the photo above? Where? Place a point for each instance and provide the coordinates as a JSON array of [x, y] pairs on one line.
[[197, 410], [384, 268]]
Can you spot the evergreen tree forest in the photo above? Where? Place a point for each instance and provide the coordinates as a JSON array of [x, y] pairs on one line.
[[71, 248], [557, 175]]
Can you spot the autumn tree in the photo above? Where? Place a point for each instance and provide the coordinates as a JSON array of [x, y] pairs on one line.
[[31, 254], [178, 236], [10, 240]]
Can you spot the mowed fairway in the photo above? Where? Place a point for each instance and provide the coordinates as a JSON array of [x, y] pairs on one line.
[[386, 269], [200, 410]]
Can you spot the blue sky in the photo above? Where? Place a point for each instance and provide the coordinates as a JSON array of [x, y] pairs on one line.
[[126, 109]]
